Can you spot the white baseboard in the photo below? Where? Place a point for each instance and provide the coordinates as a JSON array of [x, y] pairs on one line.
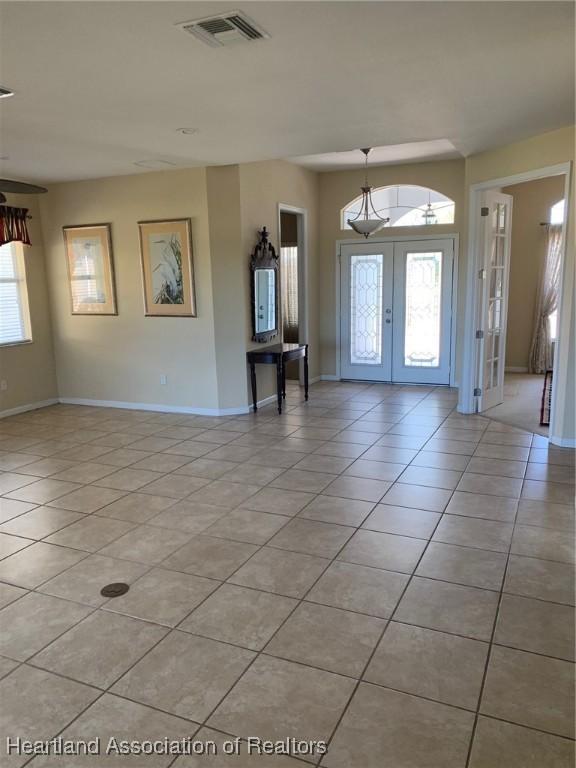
[[131, 406], [267, 401], [563, 442], [516, 369], [28, 407], [329, 377]]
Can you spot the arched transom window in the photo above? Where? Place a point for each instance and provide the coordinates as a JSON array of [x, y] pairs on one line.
[[406, 205]]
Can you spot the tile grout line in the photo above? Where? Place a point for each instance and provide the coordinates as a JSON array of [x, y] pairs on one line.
[[259, 653], [102, 691], [376, 646], [356, 528], [490, 647], [492, 644]]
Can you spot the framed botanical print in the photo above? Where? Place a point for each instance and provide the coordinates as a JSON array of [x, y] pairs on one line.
[[90, 269], [167, 268]]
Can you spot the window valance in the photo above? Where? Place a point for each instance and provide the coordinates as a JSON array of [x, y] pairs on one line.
[[13, 225]]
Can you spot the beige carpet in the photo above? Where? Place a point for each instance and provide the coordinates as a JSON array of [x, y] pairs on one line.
[[521, 406]]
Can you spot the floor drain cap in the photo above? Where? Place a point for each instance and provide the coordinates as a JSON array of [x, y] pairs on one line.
[[114, 590]]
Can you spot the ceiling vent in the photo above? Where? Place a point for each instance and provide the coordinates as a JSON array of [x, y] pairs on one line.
[[225, 29]]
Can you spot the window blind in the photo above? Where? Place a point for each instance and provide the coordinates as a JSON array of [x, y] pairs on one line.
[[14, 321]]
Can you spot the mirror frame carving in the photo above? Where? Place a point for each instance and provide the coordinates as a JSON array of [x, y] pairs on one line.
[[264, 256]]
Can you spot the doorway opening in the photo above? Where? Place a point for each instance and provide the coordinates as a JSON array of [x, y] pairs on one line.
[[514, 300], [292, 229], [532, 318]]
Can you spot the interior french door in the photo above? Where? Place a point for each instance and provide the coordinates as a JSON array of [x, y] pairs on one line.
[[494, 274], [396, 311]]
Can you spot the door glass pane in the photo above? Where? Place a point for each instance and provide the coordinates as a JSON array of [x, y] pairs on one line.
[[366, 309], [423, 303], [502, 217], [499, 218], [493, 253], [495, 371], [500, 244], [494, 310], [496, 282], [497, 251], [488, 374], [496, 350]]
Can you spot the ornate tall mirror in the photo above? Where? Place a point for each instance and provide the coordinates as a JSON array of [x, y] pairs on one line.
[[264, 289]]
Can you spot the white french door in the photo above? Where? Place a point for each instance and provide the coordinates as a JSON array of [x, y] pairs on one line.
[[422, 311], [396, 311], [367, 278], [495, 272]]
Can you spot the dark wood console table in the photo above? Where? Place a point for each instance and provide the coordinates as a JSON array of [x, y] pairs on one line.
[[278, 355]]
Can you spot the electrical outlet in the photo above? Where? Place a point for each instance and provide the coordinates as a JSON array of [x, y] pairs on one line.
[[3, 385], [163, 379]]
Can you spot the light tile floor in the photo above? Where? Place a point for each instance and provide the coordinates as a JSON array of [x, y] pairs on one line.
[[371, 569]]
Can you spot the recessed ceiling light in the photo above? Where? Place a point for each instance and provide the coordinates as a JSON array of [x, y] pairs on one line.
[[187, 131], [5, 92]]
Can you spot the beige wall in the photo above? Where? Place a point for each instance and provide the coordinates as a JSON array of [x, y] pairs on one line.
[[121, 358], [29, 369], [531, 205], [340, 187], [262, 187], [538, 152], [228, 263]]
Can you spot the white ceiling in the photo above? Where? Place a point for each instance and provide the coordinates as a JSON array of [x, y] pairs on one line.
[[413, 152], [103, 85]]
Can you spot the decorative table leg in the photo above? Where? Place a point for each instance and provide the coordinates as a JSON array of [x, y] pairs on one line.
[[306, 373], [253, 382], [279, 379], [283, 381]]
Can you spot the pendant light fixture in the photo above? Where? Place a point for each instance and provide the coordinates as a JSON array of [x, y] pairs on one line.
[[429, 216], [367, 222]]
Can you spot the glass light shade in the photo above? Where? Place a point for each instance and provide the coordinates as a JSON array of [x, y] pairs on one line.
[[362, 223], [367, 227]]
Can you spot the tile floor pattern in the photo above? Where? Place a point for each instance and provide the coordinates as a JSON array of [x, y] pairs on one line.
[[371, 568]]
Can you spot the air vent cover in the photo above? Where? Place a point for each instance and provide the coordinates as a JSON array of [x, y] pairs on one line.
[[225, 29]]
